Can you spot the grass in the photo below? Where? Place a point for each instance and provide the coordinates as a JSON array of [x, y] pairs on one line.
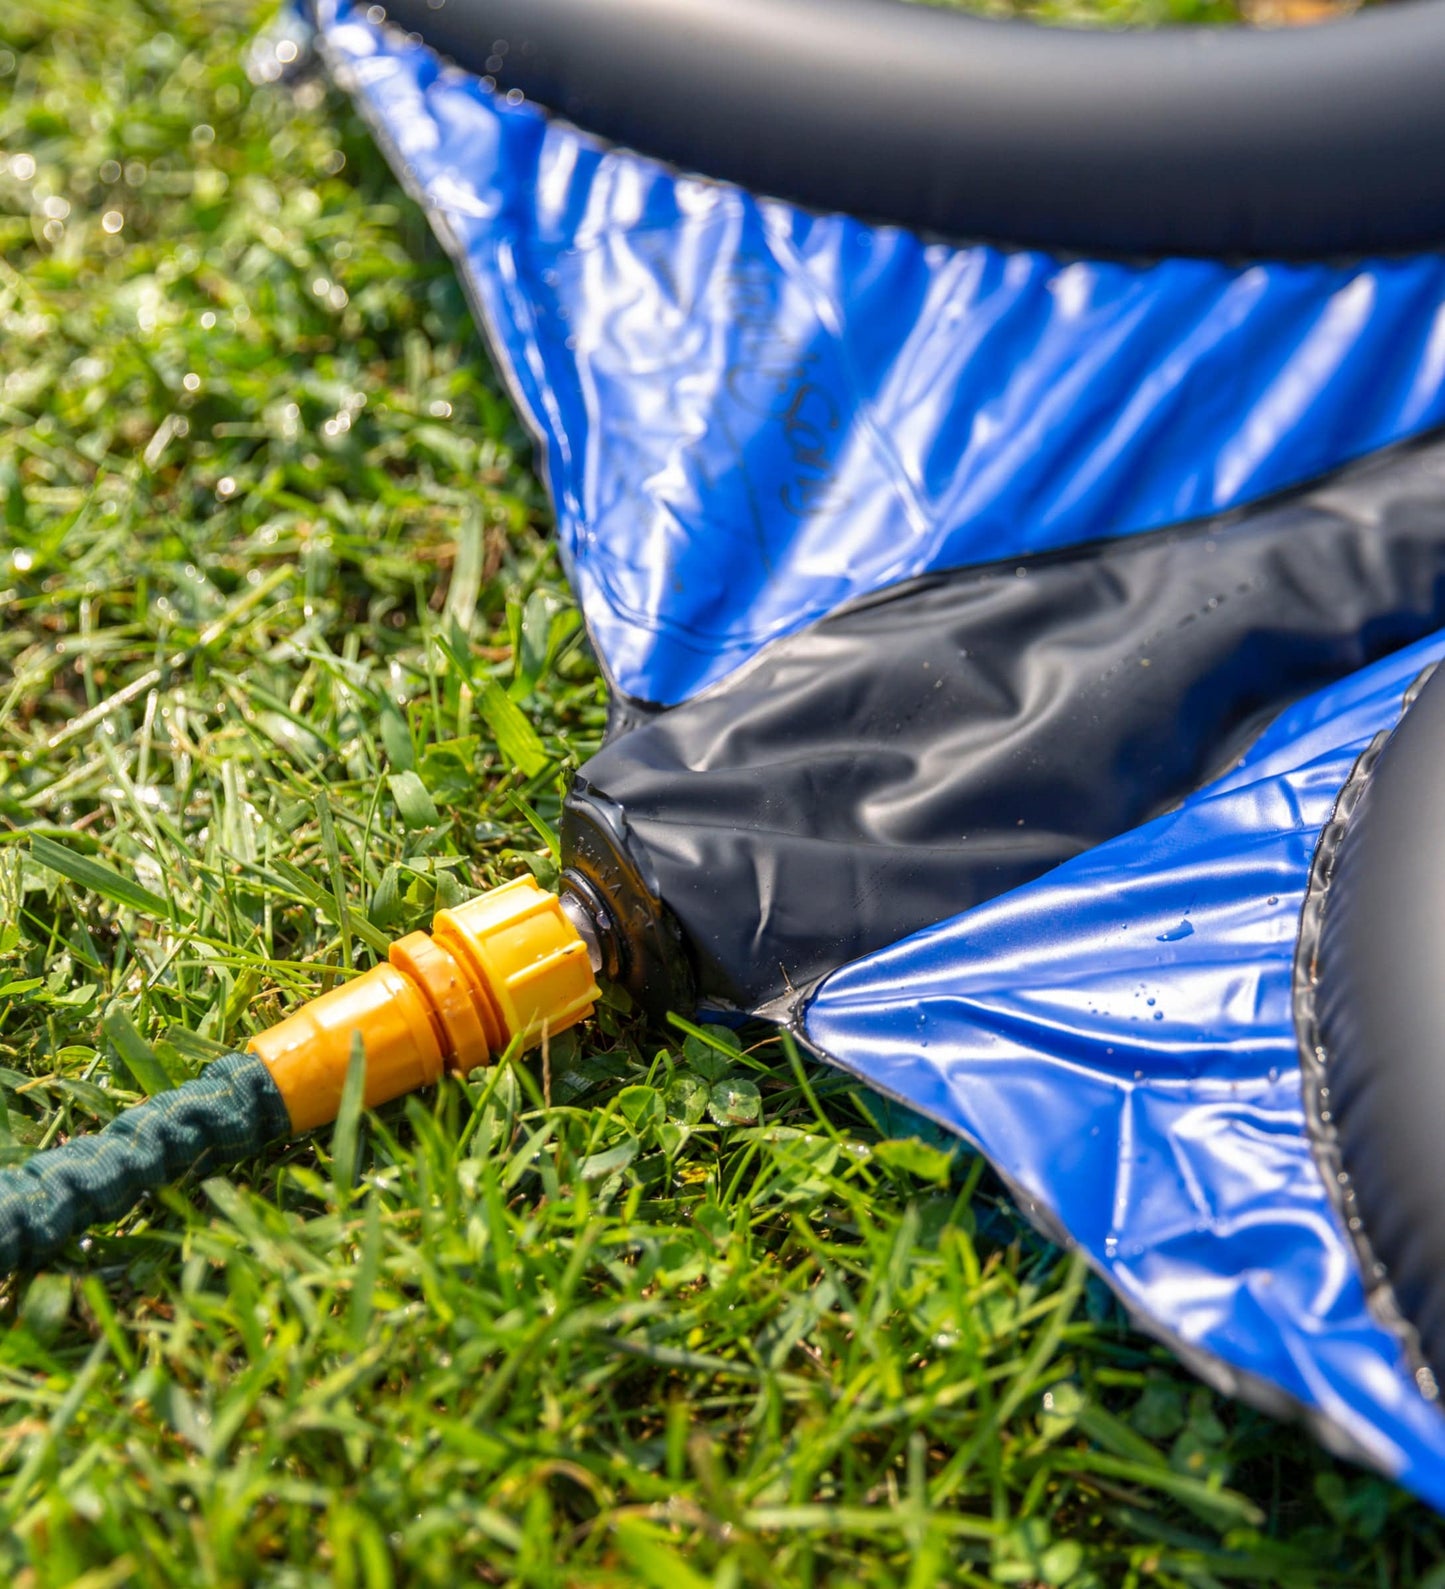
[[272, 565]]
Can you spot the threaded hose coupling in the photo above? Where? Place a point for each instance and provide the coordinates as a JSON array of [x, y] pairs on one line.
[[507, 966]]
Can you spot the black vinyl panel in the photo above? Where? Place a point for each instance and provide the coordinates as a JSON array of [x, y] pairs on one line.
[[922, 751]]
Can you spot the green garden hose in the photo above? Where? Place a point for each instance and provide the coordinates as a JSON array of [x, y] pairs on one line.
[[507, 969], [229, 1112]]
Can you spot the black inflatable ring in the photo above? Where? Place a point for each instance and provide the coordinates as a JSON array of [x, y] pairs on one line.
[[1221, 142], [1381, 997]]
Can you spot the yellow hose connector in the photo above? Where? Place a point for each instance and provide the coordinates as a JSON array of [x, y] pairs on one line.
[[507, 965]]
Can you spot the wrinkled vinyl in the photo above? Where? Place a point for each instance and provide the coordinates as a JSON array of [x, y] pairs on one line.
[[905, 759], [1118, 1038], [752, 414]]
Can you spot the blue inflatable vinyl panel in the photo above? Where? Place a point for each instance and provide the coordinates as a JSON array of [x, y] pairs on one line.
[[752, 414], [1118, 1039]]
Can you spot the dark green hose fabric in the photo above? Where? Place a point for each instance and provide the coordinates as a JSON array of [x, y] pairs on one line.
[[232, 1110]]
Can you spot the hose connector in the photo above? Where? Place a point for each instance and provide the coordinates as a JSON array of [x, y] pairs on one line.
[[509, 965]]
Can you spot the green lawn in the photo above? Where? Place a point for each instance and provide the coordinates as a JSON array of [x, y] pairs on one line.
[[268, 530]]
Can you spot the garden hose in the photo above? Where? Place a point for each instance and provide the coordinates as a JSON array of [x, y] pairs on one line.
[[510, 967]]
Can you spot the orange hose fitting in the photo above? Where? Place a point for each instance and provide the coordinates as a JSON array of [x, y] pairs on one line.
[[508, 965]]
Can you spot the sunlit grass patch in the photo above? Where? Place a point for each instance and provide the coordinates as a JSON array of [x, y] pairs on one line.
[[288, 661]]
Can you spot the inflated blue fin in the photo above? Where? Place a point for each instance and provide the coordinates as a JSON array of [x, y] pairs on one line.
[[752, 414], [1119, 1038]]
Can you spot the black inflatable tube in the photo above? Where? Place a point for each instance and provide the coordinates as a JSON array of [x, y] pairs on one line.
[[946, 739], [1380, 980], [1298, 143]]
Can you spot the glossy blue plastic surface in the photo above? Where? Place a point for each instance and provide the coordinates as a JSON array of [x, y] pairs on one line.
[[1118, 1039], [752, 414]]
